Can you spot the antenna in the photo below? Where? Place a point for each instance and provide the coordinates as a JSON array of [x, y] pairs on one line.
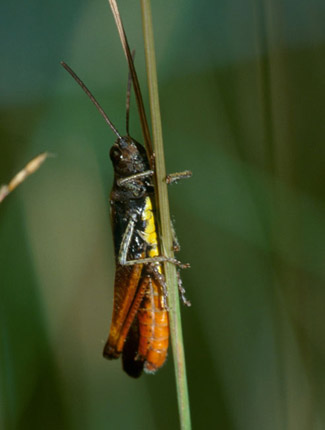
[[128, 95], [92, 98]]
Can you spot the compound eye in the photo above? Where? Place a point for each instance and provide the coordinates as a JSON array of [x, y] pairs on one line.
[[115, 153]]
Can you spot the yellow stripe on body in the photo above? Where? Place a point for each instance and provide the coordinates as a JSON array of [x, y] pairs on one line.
[[150, 234]]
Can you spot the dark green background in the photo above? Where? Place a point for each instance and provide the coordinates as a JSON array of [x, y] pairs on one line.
[[242, 100]]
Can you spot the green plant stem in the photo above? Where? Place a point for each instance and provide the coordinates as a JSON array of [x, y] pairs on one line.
[[165, 222]]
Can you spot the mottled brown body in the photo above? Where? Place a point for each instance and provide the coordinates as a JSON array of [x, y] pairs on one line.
[[139, 329]]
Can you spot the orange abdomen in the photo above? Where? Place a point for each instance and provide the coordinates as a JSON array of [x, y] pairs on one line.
[[153, 330]]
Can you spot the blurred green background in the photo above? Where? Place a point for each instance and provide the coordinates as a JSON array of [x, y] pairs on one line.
[[242, 97]]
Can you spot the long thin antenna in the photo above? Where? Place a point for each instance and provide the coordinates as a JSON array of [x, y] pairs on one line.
[[138, 96], [92, 98], [128, 95]]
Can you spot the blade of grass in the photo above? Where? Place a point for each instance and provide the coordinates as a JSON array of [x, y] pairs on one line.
[[162, 196], [165, 222], [20, 177]]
